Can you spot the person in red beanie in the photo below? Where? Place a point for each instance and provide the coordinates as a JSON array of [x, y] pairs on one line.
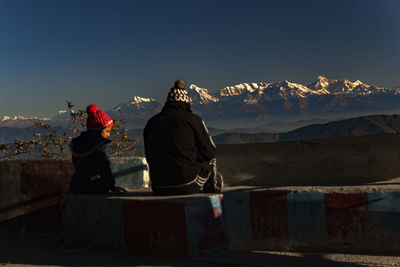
[[91, 156]]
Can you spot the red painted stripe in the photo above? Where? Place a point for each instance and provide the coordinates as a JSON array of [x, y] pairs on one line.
[[346, 217], [350, 202], [155, 227], [269, 219]]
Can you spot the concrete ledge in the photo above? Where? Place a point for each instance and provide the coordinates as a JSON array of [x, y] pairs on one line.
[[27, 185], [157, 225]]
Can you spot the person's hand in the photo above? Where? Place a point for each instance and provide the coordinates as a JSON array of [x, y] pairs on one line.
[[118, 189]]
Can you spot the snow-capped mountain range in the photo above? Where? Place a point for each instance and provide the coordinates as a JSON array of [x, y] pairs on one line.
[[250, 104], [19, 121], [6, 118], [258, 92]]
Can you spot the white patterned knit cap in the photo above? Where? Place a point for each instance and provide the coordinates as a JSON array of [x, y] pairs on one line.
[[178, 93]]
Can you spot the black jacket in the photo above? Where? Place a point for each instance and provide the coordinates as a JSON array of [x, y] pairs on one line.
[[91, 159], [176, 144]]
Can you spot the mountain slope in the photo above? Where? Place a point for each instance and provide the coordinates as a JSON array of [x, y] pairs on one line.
[[360, 126], [9, 134], [368, 125]]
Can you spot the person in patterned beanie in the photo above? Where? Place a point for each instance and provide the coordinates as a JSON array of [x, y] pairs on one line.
[[178, 93], [179, 150]]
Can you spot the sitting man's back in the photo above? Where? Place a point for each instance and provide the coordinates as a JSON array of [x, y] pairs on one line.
[[179, 150]]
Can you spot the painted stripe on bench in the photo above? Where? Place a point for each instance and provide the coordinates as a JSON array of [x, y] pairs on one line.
[[237, 218], [306, 217], [384, 210], [269, 218]]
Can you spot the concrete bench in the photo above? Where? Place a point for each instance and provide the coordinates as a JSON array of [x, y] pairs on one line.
[[174, 225], [241, 218]]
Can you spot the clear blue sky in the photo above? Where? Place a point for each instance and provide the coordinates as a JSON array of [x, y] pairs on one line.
[[106, 52]]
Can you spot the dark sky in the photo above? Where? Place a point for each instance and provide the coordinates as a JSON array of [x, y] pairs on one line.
[[106, 52]]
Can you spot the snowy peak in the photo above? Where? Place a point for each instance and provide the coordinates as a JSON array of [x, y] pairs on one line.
[[201, 95], [22, 118], [284, 90], [321, 84], [322, 78], [395, 89], [242, 88], [340, 86], [137, 104], [293, 89], [5, 118], [139, 100]]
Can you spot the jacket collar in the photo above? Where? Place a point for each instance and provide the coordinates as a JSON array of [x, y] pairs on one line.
[[87, 143], [177, 105]]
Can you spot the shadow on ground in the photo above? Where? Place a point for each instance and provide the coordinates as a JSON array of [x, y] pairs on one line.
[[40, 249]]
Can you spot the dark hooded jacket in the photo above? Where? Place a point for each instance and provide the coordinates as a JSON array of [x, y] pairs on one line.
[[177, 143], [91, 159]]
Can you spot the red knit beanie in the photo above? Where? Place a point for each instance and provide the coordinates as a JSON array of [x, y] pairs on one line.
[[97, 119]]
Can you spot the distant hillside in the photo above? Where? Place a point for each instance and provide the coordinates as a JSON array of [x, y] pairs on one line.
[[272, 127], [9, 134], [245, 138], [360, 126]]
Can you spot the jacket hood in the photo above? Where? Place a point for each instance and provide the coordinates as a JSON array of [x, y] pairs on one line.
[[87, 143]]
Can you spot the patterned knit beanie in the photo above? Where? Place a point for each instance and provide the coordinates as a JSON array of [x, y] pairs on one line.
[[178, 93], [97, 119]]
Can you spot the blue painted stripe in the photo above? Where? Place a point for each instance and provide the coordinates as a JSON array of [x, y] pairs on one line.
[[384, 211], [95, 220], [384, 202], [237, 218], [306, 217]]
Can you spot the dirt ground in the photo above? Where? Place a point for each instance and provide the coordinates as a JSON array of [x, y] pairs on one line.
[[45, 249], [331, 162]]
